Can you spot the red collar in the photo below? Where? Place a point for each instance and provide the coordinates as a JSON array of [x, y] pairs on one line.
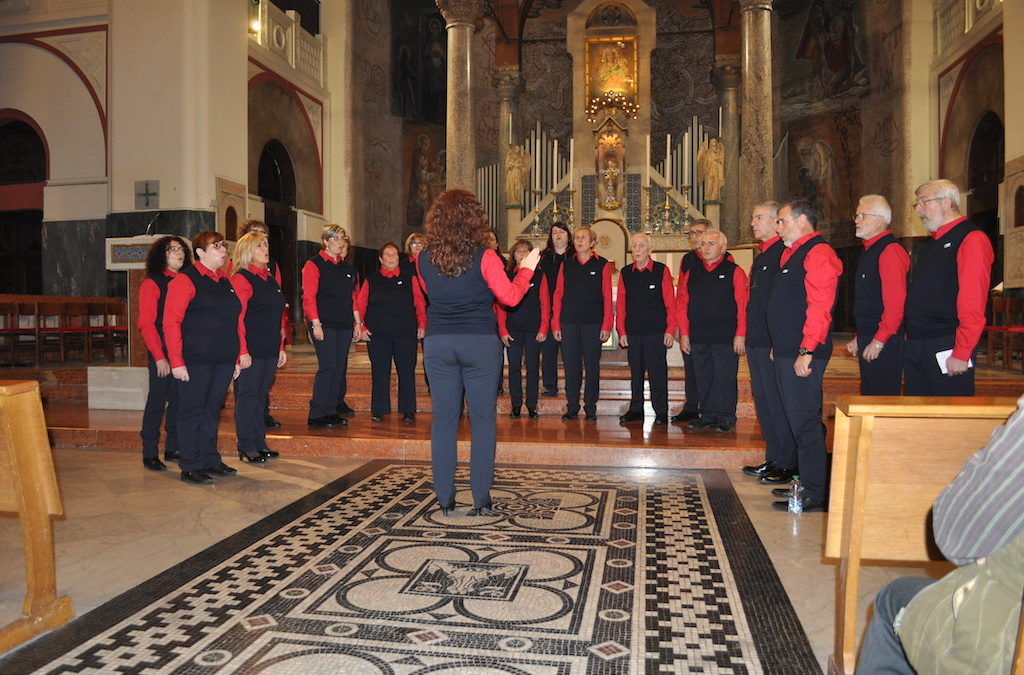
[[648, 266], [261, 272], [768, 243], [712, 265], [206, 271], [390, 274], [803, 240], [584, 262], [327, 256], [868, 243], [941, 232]]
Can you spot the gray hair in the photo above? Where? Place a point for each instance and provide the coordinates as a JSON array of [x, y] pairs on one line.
[[332, 231], [770, 204], [881, 205], [942, 189]]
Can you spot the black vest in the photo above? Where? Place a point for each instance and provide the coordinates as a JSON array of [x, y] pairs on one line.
[[263, 316], [712, 304], [787, 306], [389, 307], [334, 292], [550, 263], [209, 330], [583, 296], [762, 275], [931, 295], [645, 305], [525, 317], [162, 281], [458, 305], [867, 288], [691, 261]]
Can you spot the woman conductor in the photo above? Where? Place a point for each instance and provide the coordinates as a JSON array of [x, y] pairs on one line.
[[523, 329], [167, 256], [201, 330], [461, 350], [261, 324]]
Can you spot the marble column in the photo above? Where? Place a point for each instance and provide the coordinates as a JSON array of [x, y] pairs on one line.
[[727, 79], [756, 145], [460, 145], [508, 83]]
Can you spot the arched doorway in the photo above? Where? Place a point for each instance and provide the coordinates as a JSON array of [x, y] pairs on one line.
[[276, 185], [984, 174], [23, 171]]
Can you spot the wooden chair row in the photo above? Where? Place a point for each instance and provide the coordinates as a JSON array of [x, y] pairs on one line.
[[31, 331], [1005, 335]]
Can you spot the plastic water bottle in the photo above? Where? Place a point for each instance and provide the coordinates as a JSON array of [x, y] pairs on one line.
[[796, 496]]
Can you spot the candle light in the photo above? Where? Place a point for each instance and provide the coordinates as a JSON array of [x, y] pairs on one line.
[[719, 121], [647, 163], [572, 154], [668, 161], [536, 164], [554, 166], [510, 128]]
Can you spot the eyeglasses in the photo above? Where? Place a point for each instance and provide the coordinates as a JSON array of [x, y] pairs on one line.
[[216, 244], [922, 202], [858, 216], [174, 249]]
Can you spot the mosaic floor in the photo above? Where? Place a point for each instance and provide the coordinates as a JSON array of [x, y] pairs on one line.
[[580, 571]]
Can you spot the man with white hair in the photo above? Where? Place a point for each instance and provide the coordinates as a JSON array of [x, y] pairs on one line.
[[645, 315], [879, 295], [945, 309]]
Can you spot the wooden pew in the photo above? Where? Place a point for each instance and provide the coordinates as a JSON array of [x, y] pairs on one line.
[[28, 487], [891, 457]]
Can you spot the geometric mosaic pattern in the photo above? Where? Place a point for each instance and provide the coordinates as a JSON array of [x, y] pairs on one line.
[[578, 571]]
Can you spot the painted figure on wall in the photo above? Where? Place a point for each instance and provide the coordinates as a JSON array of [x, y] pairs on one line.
[[423, 176], [611, 67], [828, 42], [418, 61], [817, 176]]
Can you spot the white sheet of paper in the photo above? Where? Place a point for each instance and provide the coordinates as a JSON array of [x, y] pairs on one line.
[[941, 357]]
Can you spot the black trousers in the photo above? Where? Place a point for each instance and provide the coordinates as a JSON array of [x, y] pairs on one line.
[[884, 375], [253, 385], [715, 367], [921, 373], [383, 349], [647, 357], [690, 388], [801, 398], [162, 393], [199, 403], [549, 350], [581, 347], [329, 382], [524, 344], [780, 447]]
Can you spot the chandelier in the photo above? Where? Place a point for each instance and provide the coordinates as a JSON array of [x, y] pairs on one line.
[[611, 100]]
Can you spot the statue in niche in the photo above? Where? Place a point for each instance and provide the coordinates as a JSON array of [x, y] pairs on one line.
[[711, 168], [517, 171], [611, 160]]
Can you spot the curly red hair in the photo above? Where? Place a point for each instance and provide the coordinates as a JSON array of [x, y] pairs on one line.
[[457, 227]]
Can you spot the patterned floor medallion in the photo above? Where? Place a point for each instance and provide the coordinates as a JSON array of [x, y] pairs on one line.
[[578, 571]]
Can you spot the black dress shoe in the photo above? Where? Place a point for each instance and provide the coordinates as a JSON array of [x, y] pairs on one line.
[[269, 422], [514, 414], [685, 416], [196, 477], [449, 508], [550, 393], [631, 416], [344, 410], [338, 420], [252, 459], [701, 425], [409, 417], [485, 510], [268, 453], [661, 421], [377, 418], [590, 417], [810, 505], [222, 469], [777, 476], [320, 423], [760, 469], [570, 416], [153, 464], [725, 427], [171, 455], [781, 493], [532, 413]]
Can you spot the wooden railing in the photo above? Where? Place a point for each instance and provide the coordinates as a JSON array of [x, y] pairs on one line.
[[34, 326]]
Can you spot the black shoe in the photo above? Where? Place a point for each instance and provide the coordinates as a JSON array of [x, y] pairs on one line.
[[377, 418], [485, 510], [701, 424], [338, 420], [685, 416], [253, 459], [532, 413], [781, 493], [759, 470], [777, 476], [661, 421], [590, 417], [631, 416], [221, 469], [320, 423], [550, 393], [514, 414], [344, 410], [196, 477], [810, 505], [268, 453], [153, 464], [570, 416], [725, 427], [269, 422], [409, 417], [171, 455], [447, 510]]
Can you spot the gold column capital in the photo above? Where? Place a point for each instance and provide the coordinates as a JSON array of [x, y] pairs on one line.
[[508, 83], [459, 12], [751, 5]]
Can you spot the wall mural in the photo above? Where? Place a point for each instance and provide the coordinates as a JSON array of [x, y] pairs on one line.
[[424, 164], [419, 58]]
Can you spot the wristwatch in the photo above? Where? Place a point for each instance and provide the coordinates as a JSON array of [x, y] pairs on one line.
[[803, 351]]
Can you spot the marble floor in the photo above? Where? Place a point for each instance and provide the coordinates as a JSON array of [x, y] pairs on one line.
[[125, 524]]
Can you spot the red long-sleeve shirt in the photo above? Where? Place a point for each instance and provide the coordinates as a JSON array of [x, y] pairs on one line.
[[311, 284], [149, 299], [973, 272], [545, 311], [180, 293], [893, 264], [277, 271], [740, 293], [243, 289], [667, 294], [419, 304], [822, 268], [606, 294]]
